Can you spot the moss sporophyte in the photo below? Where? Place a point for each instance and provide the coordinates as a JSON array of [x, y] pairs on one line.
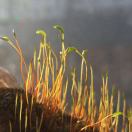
[[41, 105]]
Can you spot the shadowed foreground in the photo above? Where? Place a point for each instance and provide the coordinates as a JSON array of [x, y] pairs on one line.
[[16, 115]]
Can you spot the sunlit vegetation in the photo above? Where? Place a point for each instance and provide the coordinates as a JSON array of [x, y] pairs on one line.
[[45, 79]]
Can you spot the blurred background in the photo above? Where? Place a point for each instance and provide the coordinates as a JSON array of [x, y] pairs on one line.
[[104, 27]]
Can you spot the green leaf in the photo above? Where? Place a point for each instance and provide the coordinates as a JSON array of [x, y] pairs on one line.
[[117, 114], [5, 38], [58, 27], [43, 34], [70, 49]]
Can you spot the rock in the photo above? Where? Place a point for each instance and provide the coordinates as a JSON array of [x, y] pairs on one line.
[[7, 79]]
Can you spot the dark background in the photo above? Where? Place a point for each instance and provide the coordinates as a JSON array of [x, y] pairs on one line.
[[104, 27]]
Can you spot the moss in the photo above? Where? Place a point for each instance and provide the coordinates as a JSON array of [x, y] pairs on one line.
[[11, 119], [41, 105]]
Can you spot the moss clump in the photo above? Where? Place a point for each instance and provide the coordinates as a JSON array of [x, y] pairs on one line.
[[18, 115], [41, 105]]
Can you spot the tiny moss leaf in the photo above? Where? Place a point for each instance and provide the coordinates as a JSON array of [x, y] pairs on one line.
[[58, 27], [5, 38], [117, 114]]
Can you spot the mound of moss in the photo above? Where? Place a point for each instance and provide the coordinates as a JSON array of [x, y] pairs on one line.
[[41, 105], [18, 115]]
